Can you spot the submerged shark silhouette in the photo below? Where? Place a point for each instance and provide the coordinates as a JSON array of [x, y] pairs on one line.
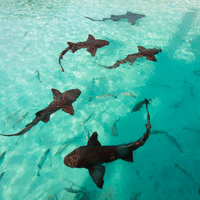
[[91, 44], [143, 52], [131, 17], [94, 155], [61, 101]]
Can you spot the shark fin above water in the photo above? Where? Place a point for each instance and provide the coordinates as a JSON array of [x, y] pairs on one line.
[[97, 172], [69, 109], [56, 93], [93, 141]]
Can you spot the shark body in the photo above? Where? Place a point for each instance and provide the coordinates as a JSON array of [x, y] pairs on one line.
[[61, 101], [143, 52], [131, 17], [94, 155], [91, 44]]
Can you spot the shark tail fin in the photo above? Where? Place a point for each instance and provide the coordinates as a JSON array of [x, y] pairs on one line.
[[128, 157]]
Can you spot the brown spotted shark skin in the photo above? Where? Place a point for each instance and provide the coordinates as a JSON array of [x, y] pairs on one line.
[[61, 101], [143, 52], [94, 155], [91, 44]]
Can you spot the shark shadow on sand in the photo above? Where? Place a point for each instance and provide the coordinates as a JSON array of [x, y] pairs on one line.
[[143, 52], [131, 17], [91, 44], [61, 101], [94, 155]]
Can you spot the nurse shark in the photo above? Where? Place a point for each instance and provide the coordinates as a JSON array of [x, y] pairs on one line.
[[143, 52], [91, 44], [61, 101], [94, 155], [131, 17]]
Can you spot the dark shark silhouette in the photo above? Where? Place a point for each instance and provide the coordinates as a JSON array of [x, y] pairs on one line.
[[143, 52], [94, 155], [139, 105], [61, 101], [131, 17], [91, 44]]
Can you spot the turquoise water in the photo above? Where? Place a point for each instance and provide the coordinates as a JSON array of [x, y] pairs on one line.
[[34, 33]]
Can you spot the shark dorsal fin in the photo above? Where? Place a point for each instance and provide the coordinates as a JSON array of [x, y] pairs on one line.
[[97, 172], [93, 141], [70, 44], [56, 93], [90, 37], [128, 13], [141, 49]]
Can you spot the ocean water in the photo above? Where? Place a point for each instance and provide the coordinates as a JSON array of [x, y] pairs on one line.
[[34, 33]]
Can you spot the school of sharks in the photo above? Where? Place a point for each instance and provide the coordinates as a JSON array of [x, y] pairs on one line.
[[94, 155]]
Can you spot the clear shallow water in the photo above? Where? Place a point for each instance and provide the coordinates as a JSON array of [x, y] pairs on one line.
[[32, 37]]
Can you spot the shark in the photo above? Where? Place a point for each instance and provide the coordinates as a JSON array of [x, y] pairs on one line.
[[61, 101], [131, 17], [91, 44], [143, 52], [94, 155]]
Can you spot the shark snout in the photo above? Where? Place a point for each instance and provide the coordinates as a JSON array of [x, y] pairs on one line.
[[107, 43], [71, 160], [77, 93]]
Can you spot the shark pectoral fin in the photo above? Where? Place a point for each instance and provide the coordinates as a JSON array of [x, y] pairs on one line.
[[92, 50], [69, 109], [70, 44], [93, 141], [56, 93], [128, 157], [46, 119], [97, 172], [131, 21], [141, 49], [90, 37], [152, 57]]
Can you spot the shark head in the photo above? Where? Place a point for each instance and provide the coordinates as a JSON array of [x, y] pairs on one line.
[[72, 95], [72, 159]]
